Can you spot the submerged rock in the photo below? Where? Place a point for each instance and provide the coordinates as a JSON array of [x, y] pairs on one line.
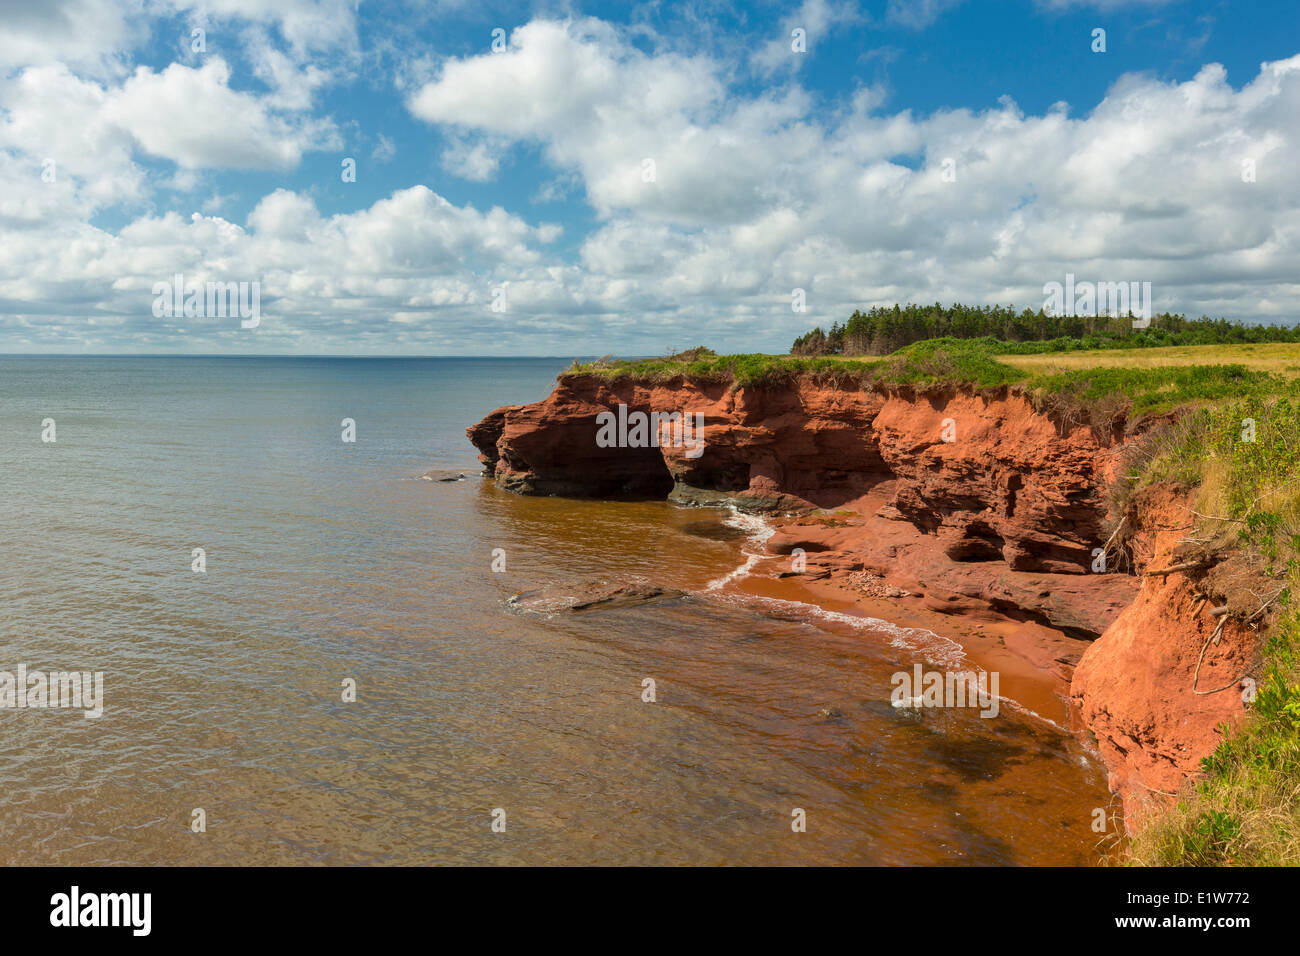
[[831, 715], [444, 474], [592, 596]]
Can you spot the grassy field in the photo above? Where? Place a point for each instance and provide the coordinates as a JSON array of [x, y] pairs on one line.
[[979, 361], [1281, 358]]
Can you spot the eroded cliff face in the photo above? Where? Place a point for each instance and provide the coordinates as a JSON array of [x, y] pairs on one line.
[[975, 500], [1157, 686], [986, 474]]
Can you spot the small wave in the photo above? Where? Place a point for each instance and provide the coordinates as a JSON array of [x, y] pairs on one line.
[[757, 527], [743, 571], [757, 531], [1017, 706], [936, 648]]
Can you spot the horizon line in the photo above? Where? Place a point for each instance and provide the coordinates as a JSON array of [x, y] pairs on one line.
[[267, 355]]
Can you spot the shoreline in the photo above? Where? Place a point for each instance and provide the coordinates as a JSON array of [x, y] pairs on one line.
[[1031, 680]]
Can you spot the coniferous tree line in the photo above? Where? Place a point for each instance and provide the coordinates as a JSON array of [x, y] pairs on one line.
[[884, 329]]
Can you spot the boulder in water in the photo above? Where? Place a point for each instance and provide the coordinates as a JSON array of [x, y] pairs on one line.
[[592, 596], [445, 474]]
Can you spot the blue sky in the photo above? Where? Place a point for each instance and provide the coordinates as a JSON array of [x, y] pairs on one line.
[[501, 203]]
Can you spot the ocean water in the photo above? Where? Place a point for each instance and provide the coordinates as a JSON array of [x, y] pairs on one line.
[[330, 562]]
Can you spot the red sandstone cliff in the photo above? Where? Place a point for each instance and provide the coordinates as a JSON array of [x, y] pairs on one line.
[[1138, 689], [975, 501], [1006, 486]]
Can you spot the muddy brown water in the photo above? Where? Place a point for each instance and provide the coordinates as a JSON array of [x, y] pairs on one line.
[[327, 562]]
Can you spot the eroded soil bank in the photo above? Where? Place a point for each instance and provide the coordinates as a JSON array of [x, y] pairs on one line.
[[938, 505]]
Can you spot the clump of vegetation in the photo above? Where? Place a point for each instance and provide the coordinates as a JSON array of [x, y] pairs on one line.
[[742, 371], [691, 355], [1244, 457], [1151, 390], [948, 360]]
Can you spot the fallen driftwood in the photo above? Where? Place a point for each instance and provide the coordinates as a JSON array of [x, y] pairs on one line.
[[1188, 566]]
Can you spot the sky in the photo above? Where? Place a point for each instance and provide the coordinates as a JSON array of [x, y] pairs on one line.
[[560, 178]]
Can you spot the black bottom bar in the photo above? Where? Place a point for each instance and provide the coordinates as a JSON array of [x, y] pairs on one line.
[[918, 907]]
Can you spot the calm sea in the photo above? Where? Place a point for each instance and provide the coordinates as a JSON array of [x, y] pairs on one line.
[[330, 563]]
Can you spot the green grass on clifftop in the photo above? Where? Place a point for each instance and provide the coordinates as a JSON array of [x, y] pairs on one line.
[[1116, 379], [742, 371]]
